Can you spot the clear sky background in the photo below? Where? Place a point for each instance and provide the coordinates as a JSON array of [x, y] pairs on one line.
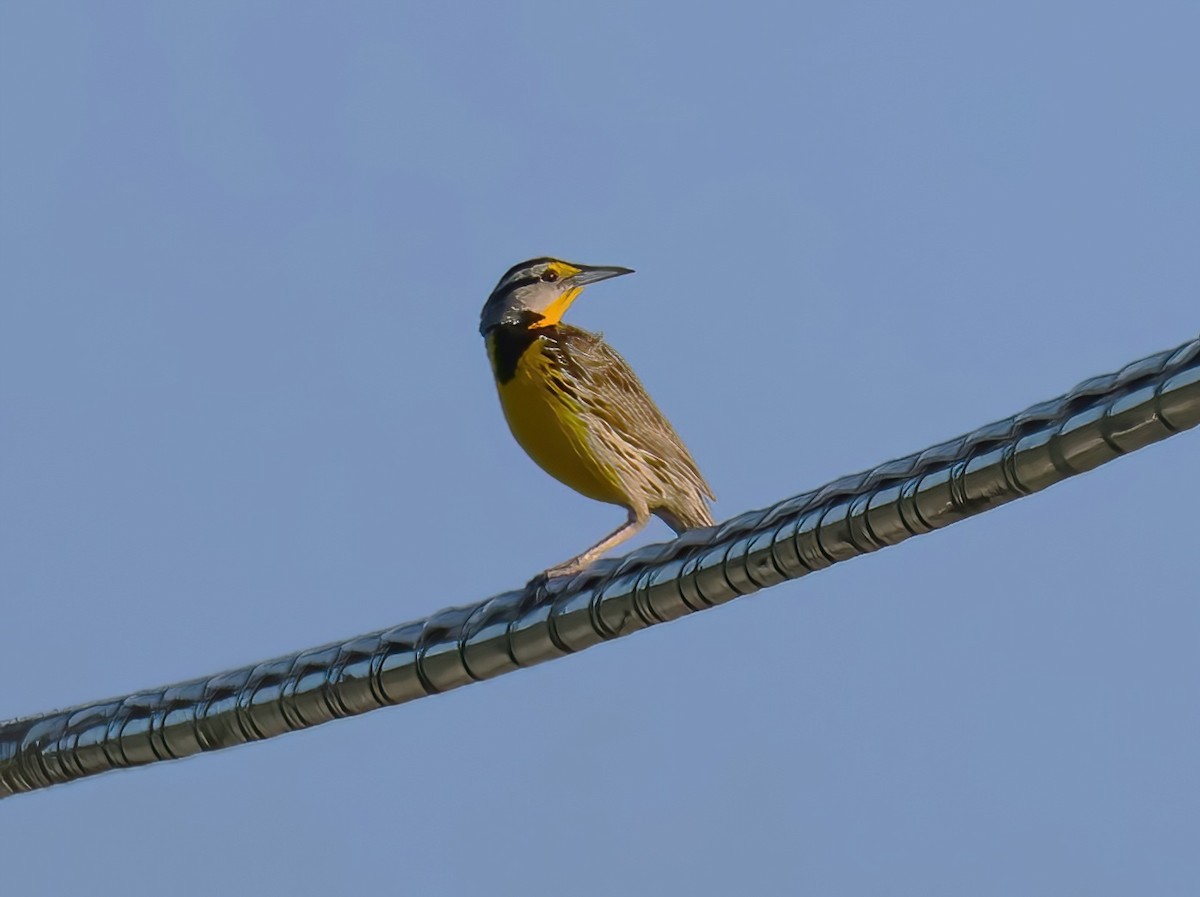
[[245, 410]]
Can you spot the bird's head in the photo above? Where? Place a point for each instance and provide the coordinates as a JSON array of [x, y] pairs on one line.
[[538, 292]]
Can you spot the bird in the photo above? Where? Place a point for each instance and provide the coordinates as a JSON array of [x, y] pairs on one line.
[[578, 410]]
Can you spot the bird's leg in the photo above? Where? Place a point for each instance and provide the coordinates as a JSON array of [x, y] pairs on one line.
[[630, 528]]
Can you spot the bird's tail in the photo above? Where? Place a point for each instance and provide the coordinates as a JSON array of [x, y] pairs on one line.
[[682, 518]]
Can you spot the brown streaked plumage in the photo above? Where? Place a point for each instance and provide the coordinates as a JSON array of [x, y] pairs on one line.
[[579, 410]]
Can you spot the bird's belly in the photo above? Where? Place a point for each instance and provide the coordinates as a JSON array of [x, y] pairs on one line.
[[554, 434]]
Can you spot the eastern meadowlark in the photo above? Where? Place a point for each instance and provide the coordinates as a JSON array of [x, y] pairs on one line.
[[579, 410]]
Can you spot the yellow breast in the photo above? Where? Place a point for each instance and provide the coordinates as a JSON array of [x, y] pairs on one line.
[[550, 426]]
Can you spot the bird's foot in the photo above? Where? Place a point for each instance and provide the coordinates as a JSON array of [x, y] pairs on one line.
[[537, 582], [568, 568]]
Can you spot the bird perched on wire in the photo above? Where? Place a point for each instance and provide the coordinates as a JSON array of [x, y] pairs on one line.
[[578, 409]]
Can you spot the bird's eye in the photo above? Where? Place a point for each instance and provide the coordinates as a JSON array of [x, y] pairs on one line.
[[549, 275]]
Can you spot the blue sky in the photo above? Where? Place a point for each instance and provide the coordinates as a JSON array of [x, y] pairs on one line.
[[245, 409]]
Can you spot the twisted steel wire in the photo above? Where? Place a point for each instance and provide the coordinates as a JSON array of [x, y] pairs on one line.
[[1099, 420]]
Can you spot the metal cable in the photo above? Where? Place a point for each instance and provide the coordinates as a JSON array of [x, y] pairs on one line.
[[1101, 419]]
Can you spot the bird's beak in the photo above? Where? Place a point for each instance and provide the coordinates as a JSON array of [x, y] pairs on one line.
[[595, 273], [574, 284]]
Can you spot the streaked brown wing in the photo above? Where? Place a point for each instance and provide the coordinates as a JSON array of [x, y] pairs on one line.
[[615, 396]]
